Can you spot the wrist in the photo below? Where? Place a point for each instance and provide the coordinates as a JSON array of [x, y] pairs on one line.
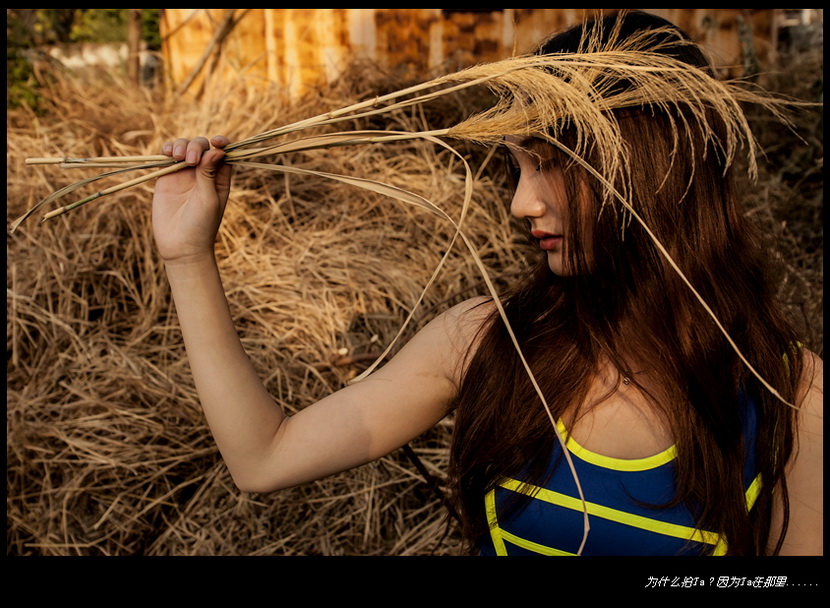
[[190, 265]]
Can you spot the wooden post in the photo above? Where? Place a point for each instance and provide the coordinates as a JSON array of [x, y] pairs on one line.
[[134, 46]]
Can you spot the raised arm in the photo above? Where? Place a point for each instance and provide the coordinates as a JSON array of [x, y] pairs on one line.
[[263, 449]]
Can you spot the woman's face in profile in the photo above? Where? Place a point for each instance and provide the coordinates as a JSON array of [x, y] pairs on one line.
[[541, 199]]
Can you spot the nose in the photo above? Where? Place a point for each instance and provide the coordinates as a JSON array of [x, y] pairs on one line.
[[527, 200]]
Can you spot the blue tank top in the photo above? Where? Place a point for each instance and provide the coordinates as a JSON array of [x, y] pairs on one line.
[[619, 496]]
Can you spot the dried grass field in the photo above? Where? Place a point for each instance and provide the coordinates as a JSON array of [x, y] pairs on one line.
[[107, 450]]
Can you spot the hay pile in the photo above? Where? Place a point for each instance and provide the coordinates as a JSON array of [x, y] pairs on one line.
[[108, 452]]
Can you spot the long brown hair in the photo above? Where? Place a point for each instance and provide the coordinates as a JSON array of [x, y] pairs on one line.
[[626, 303]]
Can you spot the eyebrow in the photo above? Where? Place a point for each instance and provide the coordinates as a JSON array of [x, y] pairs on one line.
[[534, 146], [531, 144]]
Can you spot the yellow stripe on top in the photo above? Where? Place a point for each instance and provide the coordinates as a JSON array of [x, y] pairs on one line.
[[597, 510], [499, 536], [496, 533], [751, 496], [752, 492], [618, 464]]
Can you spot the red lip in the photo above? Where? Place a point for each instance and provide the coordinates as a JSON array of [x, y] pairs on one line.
[[541, 234], [547, 240]]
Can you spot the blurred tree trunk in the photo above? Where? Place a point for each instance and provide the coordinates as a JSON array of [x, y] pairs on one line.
[[134, 46], [20, 26]]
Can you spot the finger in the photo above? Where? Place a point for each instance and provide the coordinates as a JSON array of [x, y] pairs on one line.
[[209, 164], [210, 178], [179, 148], [219, 141], [195, 148]]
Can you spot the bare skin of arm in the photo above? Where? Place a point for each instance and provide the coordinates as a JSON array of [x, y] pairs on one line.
[[264, 449], [805, 532]]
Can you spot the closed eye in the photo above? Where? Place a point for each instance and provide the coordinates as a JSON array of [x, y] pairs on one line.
[[528, 152], [512, 169], [547, 164]]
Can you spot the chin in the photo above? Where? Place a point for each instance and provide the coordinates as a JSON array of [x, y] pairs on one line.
[[560, 269]]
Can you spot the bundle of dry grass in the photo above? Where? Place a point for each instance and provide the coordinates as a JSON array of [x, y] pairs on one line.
[[108, 450]]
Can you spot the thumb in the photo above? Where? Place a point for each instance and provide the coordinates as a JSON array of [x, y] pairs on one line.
[[207, 171], [209, 166]]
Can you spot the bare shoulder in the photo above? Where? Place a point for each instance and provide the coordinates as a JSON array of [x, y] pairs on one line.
[[462, 327], [469, 316], [812, 378], [463, 323], [443, 344], [811, 394]]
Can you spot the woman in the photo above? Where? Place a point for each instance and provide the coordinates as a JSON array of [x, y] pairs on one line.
[[676, 446]]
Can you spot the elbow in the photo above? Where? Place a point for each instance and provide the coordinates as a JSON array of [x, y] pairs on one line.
[[258, 468], [255, 480], [249, 486], [251, 483]]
